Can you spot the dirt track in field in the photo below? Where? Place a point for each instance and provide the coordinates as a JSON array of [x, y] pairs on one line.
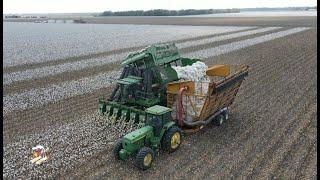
[[271, 131]]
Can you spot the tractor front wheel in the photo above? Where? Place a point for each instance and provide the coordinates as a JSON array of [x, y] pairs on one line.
[[144, 158], [117, 149], [172, 139]]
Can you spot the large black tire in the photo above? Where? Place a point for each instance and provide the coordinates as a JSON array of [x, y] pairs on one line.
[[171, 139], [219, 119], [144, 158], [117, 149]]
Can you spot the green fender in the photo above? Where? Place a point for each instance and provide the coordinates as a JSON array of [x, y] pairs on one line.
[[167, 126]]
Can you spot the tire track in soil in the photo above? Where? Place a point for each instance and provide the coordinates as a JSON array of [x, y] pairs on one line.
[[254, 88], [308, 169], [269, 161], [294, 158], [107, 53], [244, 137], [19, 86], [244, 164], [251, 158]]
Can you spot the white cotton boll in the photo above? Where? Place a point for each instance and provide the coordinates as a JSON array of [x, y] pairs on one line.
[[195, 72]]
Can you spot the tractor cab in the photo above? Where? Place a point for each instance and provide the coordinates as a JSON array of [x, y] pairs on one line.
[[128, 85], [157, 116]]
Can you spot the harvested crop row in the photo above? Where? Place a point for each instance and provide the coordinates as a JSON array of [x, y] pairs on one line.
[[242, 44], [30, 98], [298, 154], [19, 86], [55, 41], [281, 148], [107, 53], [226, 37], [87, 63]]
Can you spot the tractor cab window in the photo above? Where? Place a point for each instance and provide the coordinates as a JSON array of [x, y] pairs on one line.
[[153, 119], [167, 116], [156, 121], [141, 64]]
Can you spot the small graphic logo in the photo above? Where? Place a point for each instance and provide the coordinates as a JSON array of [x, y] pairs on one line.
[[40, 154]]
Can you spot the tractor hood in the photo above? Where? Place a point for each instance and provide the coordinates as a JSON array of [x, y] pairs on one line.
[[138, 134]]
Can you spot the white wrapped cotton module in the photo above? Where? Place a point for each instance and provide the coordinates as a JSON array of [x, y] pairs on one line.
[[196, 73]]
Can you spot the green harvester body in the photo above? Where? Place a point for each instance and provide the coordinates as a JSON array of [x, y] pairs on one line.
[[143, 81]]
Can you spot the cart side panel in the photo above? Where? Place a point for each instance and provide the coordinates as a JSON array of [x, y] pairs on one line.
[[222, 95], [220, 99]]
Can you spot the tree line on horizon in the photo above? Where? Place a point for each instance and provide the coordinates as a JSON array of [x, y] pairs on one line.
[[164, 12]]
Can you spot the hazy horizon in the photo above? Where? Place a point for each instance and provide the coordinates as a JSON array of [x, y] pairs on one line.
[[98, 6]]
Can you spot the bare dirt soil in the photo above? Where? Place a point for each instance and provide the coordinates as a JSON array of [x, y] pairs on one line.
[[271, 132]]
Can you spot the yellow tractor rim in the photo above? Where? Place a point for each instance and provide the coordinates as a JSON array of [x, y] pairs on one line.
[[175, 140], [147, 160]]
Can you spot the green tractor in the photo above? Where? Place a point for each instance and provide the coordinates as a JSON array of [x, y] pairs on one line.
[[159, 132]]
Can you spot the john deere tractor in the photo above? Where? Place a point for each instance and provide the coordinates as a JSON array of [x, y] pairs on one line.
[[159, 132]]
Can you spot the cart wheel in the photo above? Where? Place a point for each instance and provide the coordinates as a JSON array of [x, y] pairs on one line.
[[219, 119], [117, 149], [226, 115], [144, 158]]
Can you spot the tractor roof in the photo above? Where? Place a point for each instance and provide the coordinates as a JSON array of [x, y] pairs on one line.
[[161, 54], [158, 110]]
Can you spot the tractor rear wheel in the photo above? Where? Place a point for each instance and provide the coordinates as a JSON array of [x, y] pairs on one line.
[[172, 139], [144, 158], [117, 149]]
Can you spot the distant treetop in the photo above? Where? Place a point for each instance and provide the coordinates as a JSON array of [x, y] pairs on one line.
[[163, 12]]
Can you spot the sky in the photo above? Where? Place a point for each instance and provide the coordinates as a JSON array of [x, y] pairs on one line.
[[83, 6]]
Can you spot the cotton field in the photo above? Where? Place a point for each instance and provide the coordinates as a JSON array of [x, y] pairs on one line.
[[54, 75]]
